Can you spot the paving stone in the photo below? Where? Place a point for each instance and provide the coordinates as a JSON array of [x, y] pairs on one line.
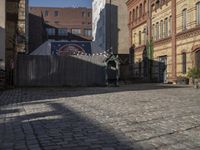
[[131, 117]]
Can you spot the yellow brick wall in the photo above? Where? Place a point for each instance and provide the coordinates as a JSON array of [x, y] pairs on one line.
[[135, 35], [185, 43], [190, 5]]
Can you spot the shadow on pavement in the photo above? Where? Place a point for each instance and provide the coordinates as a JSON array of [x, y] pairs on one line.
[[34, 94], [61, 128]]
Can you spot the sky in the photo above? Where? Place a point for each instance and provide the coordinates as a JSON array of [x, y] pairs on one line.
[[61, 3]]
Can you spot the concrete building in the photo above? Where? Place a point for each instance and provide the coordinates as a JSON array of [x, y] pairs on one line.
[[110, 30], [59, 22], [167, 33]]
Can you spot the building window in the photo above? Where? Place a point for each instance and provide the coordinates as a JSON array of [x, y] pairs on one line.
[[170, 25], [145, 9], [62, 32], [184, 63], [145, 35], [157, 4], [153, 31], [88, 32], [46, 13], [51, 31], [184, 19], [133, 15], [130, 17], [56, 13], [83, 14], [198, 13], [89, 14], [161, 29], [140, 10], [76, 31], [137, 12], [166, 27], [157, 30], [140, 37]]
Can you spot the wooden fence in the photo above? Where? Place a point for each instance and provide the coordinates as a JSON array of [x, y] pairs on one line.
[[79, 70]]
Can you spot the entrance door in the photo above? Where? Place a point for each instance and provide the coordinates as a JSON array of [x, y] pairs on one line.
[[197, 59], [163, 69]]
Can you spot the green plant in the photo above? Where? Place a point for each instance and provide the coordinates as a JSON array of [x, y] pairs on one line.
[[194, 73], [182, 80]]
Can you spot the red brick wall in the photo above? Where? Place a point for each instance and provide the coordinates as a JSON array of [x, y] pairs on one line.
[[70, 18]]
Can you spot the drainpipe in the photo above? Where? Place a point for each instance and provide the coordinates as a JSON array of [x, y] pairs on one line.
[[110, 24], [173, 40]]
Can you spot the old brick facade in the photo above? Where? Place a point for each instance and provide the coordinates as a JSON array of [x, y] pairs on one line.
[[16, 37], [63, 21], [173, 25]]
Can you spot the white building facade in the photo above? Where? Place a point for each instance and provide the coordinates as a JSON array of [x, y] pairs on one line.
[[110, 26], [99, 25]]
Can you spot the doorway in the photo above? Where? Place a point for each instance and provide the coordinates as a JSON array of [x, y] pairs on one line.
[[197, 59], [163, 69]]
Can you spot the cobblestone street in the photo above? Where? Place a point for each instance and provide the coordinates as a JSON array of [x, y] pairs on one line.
[[138, 117]]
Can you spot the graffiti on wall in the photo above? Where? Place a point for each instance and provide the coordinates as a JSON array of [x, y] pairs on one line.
[[70, 48]]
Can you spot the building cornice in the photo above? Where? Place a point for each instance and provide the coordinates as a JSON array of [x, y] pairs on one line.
[[188, 33]]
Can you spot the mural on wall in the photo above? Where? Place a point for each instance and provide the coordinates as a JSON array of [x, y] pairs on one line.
[[70, 48]]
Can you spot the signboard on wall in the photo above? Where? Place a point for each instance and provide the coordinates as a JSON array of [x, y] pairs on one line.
[[70, 48]]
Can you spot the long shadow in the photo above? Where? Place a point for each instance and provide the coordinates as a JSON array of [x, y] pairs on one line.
[[62, 128], [47, 94]]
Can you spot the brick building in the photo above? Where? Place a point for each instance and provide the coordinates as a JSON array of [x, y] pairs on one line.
[[167, 32], [60, 22]]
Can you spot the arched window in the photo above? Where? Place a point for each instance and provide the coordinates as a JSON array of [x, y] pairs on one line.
[[145, 6], [166, 27], [184, 63], [161, 29], [153, 31], [145, 35], [130, 17], [170, 25], [140, 37], [184, 19], [157, 31], [137, 12], [140, 10], [198, 13], [133, 15]]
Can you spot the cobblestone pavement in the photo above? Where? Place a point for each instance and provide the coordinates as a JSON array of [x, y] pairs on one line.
[[140, 117]]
